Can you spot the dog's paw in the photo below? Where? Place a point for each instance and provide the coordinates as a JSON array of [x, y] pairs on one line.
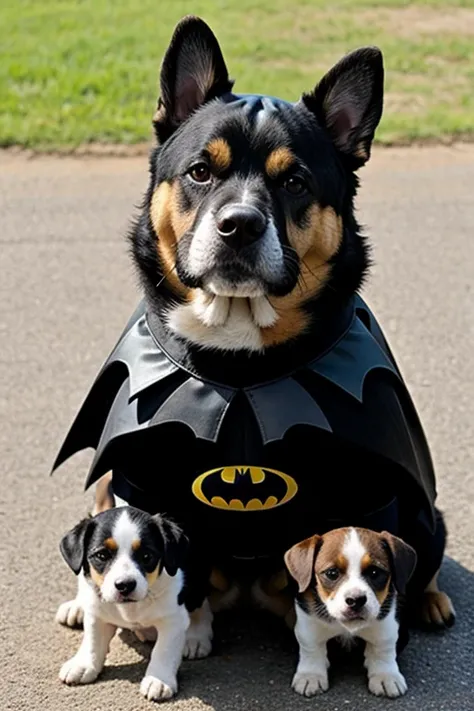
[[154, 689], [70, 614], [78, 671], [437, 611], [390, 684], [310, 684], [197, 646]]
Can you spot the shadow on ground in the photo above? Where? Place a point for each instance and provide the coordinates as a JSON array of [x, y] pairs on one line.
[[438, 666]]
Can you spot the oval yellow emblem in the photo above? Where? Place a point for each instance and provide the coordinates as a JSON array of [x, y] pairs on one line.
[[243, 488]]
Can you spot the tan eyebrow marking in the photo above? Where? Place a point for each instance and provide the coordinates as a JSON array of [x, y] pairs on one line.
[[278, 161], [220, 154], [111, 544]]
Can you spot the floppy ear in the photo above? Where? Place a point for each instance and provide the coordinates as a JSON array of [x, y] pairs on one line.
[[193, 72], [300, 561], [72, 545], [348, 102], [403, 559], [174, 543]]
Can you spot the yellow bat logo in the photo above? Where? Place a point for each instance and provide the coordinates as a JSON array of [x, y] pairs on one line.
[[244, 488]]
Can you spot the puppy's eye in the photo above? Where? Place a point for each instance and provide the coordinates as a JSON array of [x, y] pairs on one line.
[[295, 185], [332, 574], [103, 556], [147, 557], [373, 572], [200, 173]]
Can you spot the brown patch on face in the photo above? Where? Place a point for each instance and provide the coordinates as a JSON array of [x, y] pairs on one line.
[[169, 224], [330, 556], [376, 555], [136, 544], [220, 154], [111, 544], [314, 244], [96, 577], [279, 161], [151, 577]]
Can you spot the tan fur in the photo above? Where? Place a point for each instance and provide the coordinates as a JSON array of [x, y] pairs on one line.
[[376, 555], [169, 224], [220, 154], [279, 161], [136, 544], [96, 577], [111, 544], [315, 245], [104, 498], [151, 577], [436, 607]]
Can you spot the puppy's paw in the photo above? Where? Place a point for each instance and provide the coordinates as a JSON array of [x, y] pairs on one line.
[[437, 611], [197, 646], [310, 684], [70, 614], [390, 684], [154, 689], [78, 671]]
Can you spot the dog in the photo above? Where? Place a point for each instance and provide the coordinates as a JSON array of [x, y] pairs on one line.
[[349, 583], [252, 363], [130, 576]]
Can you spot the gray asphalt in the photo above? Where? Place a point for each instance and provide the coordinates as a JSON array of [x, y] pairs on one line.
[[66, 289]]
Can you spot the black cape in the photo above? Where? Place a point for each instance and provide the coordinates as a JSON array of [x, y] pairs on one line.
[[252, 469]]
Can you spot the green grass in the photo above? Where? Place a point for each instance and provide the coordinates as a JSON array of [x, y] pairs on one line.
[[87, 71]]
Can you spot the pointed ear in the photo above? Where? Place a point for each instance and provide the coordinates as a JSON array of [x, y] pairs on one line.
[[193, 72], [300, 561], [72, 545], [403, 560], [348, 102], [174, 543]]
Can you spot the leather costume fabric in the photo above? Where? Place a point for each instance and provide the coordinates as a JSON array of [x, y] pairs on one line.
[[251, 468]]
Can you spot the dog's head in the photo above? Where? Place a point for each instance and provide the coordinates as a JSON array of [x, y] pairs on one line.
[[351, 574], [123, 551], [250, 198]]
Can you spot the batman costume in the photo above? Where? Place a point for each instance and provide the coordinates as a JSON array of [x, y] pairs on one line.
[[251, 467]]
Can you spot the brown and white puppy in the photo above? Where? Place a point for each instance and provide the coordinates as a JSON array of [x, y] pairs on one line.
[[130, 576], [348, 584]]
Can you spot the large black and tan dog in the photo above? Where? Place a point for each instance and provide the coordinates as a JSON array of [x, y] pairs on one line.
[[252, 396]]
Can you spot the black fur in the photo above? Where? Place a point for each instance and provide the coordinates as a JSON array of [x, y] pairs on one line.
[[325, 129]]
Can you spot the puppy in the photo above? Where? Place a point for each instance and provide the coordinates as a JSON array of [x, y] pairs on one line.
[[129, 566], [349, 581]]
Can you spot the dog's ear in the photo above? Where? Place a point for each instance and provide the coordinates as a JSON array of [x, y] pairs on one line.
[[348, 102], [173, 543], [72, 545], [193, 72], [403, 560], [300, 561]]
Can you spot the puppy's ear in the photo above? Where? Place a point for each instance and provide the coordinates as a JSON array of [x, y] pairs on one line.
[[300, 561], [72, 545], [174, 544], [348, 102], [403, 560], [193, 72]]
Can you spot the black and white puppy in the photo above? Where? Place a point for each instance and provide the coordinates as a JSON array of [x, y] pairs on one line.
[[349, 583], [130, 576]]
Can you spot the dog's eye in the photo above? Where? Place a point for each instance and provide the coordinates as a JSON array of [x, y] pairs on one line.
[[103, 556], [295, 185], [200, 173], [373, 572], [147, 557], [332, 574]]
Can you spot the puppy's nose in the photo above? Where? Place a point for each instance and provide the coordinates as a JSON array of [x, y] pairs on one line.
[[240, 225], [125, 587], [356, 602]]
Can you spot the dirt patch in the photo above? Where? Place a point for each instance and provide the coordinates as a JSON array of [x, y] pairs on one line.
[[414, 20]]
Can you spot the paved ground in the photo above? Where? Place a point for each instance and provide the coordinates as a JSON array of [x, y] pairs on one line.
[[66, 289]]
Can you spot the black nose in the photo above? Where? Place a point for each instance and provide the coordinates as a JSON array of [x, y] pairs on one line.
[[240, 225], [356, 603], [125, 587]]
